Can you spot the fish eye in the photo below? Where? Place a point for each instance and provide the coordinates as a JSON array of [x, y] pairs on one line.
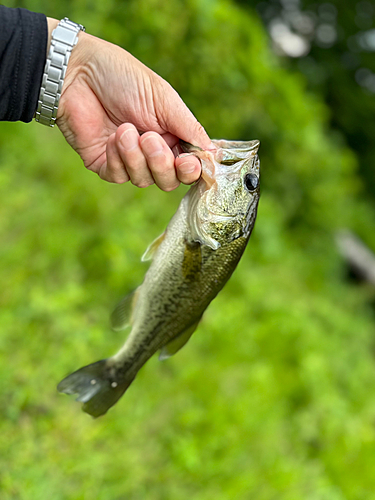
[[251, 182]]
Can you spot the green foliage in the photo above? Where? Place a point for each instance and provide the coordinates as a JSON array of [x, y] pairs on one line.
[[273, 396], [340, 70]]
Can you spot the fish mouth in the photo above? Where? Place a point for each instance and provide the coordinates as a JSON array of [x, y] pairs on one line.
[[189, 148], [238, 146]]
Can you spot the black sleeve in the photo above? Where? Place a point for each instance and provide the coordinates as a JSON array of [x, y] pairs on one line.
[[23, 46]]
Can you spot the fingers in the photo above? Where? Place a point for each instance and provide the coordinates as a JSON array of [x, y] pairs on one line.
[[160, 160], [114, 170], [132, 156], [188, 168], [147, 159]]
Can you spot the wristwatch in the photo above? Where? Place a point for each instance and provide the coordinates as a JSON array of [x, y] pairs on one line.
[[64, 39]]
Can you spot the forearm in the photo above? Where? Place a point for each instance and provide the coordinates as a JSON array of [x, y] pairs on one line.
[[123, 119], [23, 46]]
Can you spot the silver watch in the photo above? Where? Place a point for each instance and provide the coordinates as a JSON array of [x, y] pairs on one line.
[[64, 39]]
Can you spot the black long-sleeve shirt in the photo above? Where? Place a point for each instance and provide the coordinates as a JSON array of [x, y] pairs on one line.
[[23, 46]]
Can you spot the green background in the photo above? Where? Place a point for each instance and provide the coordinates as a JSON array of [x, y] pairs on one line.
[[274, 396]]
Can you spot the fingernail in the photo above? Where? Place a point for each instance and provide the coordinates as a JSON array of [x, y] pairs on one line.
[[184, 155], [212, 146], [151, 146], [129, 139], [187, 167]]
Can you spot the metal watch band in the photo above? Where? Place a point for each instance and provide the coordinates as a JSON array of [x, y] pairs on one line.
[[64, 39]]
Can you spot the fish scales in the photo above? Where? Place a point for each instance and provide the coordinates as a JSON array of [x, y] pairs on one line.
[[184, 304], [191, 262]]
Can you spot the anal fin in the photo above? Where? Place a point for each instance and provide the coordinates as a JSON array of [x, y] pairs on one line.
[[178, 342]]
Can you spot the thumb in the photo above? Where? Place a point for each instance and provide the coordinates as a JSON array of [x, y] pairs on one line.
[[177, 119]]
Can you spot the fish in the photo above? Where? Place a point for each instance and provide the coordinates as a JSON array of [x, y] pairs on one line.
[[190, 263]]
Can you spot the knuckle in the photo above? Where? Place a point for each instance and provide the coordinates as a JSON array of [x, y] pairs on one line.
[[124, 128], [131, 154], [135, 168], [101, 173], [149, 133], [105, 177], [169, 188], [120, 179], [199, 128], [143, 184], [116, 173], [134, 161], [160, 165]]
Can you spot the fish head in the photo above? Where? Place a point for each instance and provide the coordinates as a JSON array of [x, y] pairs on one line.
[[223, 203]]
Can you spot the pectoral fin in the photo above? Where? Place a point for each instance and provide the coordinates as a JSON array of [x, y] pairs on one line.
[[177, 343], [151, 249], [123, 312]]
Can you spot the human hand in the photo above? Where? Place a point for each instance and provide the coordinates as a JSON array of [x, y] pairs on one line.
[[124, 120]]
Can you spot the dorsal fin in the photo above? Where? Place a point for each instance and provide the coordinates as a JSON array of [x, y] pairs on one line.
[[177, 343], [151, 249], [123, 312]]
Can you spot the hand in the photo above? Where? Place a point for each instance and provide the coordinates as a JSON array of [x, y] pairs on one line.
[[109, 98]]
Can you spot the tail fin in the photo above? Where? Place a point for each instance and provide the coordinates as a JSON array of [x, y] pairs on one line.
[[99, 386]]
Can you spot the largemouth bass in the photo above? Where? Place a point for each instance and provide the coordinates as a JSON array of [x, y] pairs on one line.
[[191, 262]]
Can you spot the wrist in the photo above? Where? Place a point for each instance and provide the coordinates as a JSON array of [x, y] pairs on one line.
[[51, 24], [63, 37], [79, 59]]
